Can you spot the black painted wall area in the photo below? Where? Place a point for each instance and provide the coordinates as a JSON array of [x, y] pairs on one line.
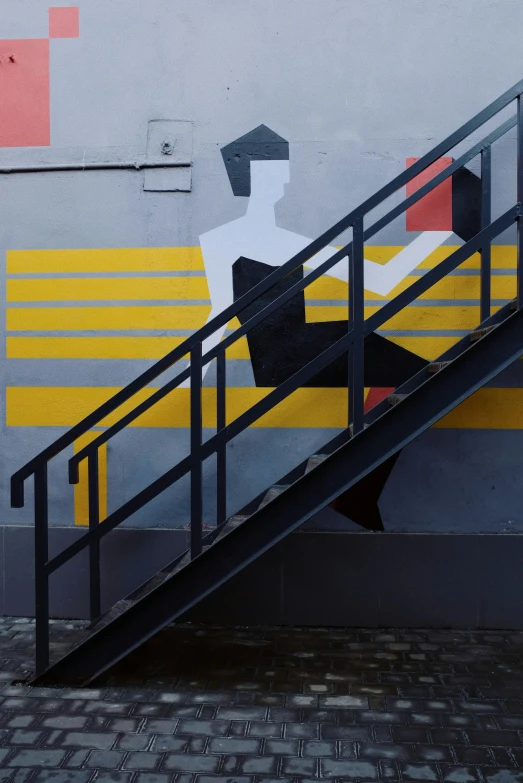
[[311, 578]]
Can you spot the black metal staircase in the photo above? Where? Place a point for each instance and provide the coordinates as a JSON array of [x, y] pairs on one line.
[[369, 439]]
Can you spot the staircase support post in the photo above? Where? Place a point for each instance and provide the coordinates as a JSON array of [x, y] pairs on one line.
[[41, 574], [357, 323], [520, 201], [196, 445], [486, 218]]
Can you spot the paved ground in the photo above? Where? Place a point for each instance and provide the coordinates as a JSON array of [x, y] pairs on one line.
[[199, 705]]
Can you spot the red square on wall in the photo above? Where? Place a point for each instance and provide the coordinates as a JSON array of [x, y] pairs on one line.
[[434, 211], [64, 22]]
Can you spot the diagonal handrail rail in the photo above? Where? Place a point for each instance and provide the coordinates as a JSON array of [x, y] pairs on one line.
[[18, 478]]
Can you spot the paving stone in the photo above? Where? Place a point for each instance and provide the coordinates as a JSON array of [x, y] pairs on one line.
[[65, 722], [401, 734], [262, 765], [433, 753], [459, 774], [242, 713], [238, 728], [320, 748], [21, 721], [23, 737], [105, 759], [228, 779], [97, 741], [282, 747], [112, 777], [301, 730], [502, 737], [213, 728], [123, 724], [153, 777], [419, 771], [299, 767], [61, 776], [155, 726], [260, 729], [230, 765], [361, 733], [77, 759], [361, 770], [341, 702], [133, 742], [389, 752], [503, 776], [191, 763], [235, 745], [36, 758], [142, 760], [467, 755], [167, 743]]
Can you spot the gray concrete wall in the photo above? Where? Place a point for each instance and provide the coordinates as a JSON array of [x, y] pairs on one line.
[[356, 87]]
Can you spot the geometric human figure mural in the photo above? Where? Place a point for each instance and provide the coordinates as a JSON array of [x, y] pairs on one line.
[[239, 254]]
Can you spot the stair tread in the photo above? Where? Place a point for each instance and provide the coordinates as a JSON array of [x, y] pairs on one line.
[[314, 461], [477, 334], [272, 493], [231, 524], [394, 399], [437, 366]]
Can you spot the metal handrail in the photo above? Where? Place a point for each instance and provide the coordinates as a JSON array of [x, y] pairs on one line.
[[357, 328], [266, 284]]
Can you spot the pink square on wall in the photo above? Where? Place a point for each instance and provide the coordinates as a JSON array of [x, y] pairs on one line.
[[64, 22]]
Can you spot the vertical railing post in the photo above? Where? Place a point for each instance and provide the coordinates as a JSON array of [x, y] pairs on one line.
[[486, 218], [520, 201], [94, 544], [356, 322], [221, 454], [196, 445], [41, 574]]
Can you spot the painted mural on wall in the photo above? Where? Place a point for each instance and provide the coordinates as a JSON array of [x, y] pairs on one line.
[[134, 304]]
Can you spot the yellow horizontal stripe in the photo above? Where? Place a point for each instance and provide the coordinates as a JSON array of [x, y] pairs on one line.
[[26, 319], [428, 348], [104, 347], [415, 318], [458, 287], [488, 408], [90, 347], [65, 406], [106, 288], [136, 259], [498, 409], [122, 259], [502, 256]]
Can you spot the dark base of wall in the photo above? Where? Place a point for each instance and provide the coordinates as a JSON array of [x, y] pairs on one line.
[[336, 579]]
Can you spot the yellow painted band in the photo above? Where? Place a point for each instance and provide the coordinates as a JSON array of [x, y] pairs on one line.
[[104, 347], [106, 288], [65, 406], [121, 259], [27, 319]]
